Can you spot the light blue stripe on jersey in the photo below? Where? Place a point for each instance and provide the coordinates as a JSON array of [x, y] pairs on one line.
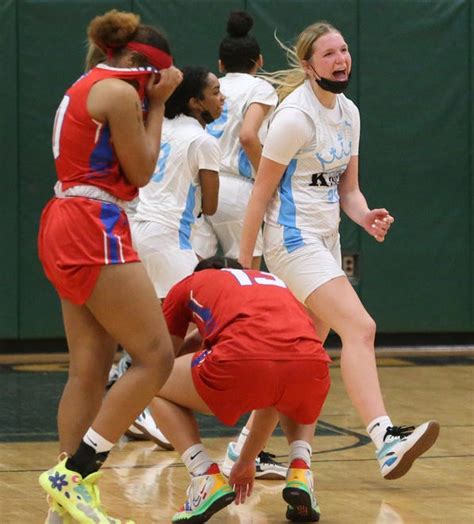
[[109, 215], [245, 169], [187, 219], [292, 238]]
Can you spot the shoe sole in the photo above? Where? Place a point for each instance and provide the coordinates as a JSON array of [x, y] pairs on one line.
[[136, 436], [269, 475], [301, 509], [424, 444], [219, 504], [264, 475], [156, 440]]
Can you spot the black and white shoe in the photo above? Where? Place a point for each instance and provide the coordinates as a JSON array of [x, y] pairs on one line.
[[266, 467]]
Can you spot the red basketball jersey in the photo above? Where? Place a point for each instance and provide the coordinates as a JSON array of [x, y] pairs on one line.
[[82, 147], [250, 306]]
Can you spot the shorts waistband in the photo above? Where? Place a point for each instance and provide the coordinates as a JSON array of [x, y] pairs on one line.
[[92, 192]]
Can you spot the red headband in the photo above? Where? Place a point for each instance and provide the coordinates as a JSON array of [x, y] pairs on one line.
[[157, 58]]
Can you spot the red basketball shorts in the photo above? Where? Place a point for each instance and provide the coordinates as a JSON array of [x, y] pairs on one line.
[[78, 236], [296, 388]]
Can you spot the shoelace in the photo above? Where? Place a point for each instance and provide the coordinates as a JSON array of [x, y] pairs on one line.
[[263, 456], [399, 431]]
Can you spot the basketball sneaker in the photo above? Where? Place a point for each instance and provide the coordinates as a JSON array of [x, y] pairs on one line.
[[147, 426], [402, 445], [266, 467], [299, 493], [57, 514], [206, 494], [78, 497]]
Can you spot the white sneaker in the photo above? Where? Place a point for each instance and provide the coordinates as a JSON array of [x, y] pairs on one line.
[[145, 424], [402, 445], [266, 467], [117, 370]]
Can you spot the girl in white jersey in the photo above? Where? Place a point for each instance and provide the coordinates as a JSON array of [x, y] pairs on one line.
[[249, 102], [184, 184], [308, 171]]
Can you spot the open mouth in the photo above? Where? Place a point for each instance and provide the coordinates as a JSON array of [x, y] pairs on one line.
[[340, 75]]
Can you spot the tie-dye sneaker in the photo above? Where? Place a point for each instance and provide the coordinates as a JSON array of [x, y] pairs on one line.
[[402, 445], [299, 493], [207, 494]]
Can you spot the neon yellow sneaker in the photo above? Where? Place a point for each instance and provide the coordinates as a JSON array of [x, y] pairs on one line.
[[57, 514], [77, 496], [299, 493], [207, 494], [92, 480]]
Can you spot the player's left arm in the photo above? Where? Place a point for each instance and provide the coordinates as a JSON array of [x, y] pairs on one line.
[[209, 181]]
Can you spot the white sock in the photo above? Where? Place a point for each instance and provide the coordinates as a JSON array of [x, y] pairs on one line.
[[241, 440], [96, 441], [197, 460], [300, 449], [377, 428]]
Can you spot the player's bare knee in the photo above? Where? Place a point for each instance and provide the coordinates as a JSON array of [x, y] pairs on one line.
[[361, 331], [157, 355], [366, 329]]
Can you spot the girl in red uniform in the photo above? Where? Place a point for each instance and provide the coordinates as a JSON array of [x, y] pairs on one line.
[[259, 351], [103, 152]]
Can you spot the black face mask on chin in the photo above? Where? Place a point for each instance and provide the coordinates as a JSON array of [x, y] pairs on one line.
[[332, 86]]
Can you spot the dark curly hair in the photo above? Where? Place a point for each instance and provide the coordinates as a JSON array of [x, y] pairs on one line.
[[113, 30], [194, 82]]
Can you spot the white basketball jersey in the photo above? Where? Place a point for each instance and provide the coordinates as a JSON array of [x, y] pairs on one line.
[[307, 200], [241, 90], [173, 195]]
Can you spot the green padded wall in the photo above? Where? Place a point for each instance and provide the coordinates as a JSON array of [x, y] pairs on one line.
[[413, 81], [415, 107], [470, 209], [8, 154], [194, 28]]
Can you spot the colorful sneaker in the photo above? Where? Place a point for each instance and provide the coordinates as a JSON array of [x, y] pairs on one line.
[[57, 514], [207, 494], [77, 496], [266, 467], [146, 424], [299, 493], [402, 445]]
